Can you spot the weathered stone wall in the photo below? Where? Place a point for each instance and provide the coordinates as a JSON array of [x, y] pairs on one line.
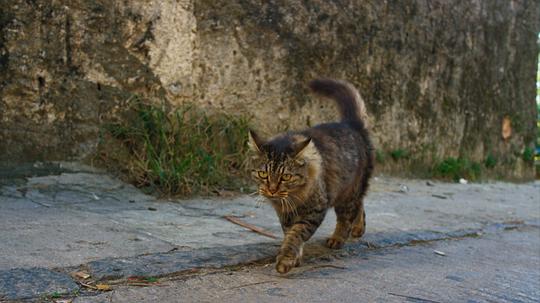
[[438, 77]]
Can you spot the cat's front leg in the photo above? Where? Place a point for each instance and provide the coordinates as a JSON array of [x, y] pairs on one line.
[[290, 254], [288, 259]]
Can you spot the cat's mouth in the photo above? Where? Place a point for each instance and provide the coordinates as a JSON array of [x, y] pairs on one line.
[[276, 195]]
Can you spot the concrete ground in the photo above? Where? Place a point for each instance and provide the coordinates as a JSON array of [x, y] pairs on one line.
[[80, 220], [472, 270]]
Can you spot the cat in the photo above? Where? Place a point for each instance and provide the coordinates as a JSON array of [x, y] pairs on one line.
[[304, 173]]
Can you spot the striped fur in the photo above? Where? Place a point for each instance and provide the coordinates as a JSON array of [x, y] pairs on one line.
[[304, 173]]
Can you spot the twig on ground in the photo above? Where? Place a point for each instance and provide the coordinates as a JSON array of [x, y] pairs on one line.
[[143, 281], [251, 284], [40, 203], [143, 284], [250, 227], [87, 285], [439, 196], [414, 298], [326, 266]]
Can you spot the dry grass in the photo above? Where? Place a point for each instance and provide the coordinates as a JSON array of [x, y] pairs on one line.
[[180, 152]]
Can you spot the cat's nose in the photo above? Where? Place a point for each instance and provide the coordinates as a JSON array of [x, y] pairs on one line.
[[273, 190]]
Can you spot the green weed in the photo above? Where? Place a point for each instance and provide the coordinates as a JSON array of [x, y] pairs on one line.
[[528, 154], [180, 152], [399, 154], [456, 168], [56, 295], [380, 157], [490, 161]]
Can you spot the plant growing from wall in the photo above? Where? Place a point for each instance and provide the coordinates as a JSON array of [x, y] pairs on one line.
[[179, 152]]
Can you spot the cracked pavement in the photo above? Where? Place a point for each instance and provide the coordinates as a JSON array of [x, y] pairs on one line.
[[77, 218]]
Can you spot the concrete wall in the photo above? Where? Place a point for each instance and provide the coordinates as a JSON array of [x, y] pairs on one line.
[[439, 77]]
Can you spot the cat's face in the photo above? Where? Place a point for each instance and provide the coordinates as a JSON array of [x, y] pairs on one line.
[[279, 178], [287, 170]]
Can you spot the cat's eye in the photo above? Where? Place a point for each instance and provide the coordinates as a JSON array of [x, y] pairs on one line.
[[286, 177], [262, 174]]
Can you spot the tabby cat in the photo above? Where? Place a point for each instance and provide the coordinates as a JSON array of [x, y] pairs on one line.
[[304, 173]]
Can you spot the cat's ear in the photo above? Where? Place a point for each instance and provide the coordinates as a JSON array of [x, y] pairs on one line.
[[306, 150], [308, 153], [254, 141]]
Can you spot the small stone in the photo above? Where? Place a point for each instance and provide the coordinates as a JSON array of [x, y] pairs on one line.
[[429, 183], [404, 188], [440, 253], [463, 181], [152, 208]]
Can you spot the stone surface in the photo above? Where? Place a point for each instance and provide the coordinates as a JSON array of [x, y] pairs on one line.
[[75, 218], [497, 267], [166, 264], [50, 225], [31, 283], [439, 77], [156, 265]]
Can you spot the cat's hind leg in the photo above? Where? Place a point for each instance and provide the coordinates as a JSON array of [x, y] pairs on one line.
[[359, 225], [346, 214]]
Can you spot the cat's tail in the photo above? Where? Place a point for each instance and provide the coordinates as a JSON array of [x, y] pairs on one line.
[[350, 103]]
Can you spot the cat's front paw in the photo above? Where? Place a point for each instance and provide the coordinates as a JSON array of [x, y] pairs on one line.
[[285, 263], [335, 243]]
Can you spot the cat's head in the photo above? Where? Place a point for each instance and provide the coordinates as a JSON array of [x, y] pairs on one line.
[[285, 166]]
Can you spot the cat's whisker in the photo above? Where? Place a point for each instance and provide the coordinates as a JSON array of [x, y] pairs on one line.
[[293, 206], [283, 206], [260, 200], [290, 209], [289, 206]]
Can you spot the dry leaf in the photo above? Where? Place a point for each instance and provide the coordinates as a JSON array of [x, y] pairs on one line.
[[104, 287], [506, 128], [81, 275]]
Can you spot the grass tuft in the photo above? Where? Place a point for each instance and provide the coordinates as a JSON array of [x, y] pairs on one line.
[[490, 161], [528, 155], [380, 157], [399, 153], [181, 152], [456, 168]]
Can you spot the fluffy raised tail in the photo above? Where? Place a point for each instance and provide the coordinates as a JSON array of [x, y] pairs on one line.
[[350, 104]]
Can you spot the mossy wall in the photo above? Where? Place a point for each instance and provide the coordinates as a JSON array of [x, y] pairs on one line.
[[438, 77]]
